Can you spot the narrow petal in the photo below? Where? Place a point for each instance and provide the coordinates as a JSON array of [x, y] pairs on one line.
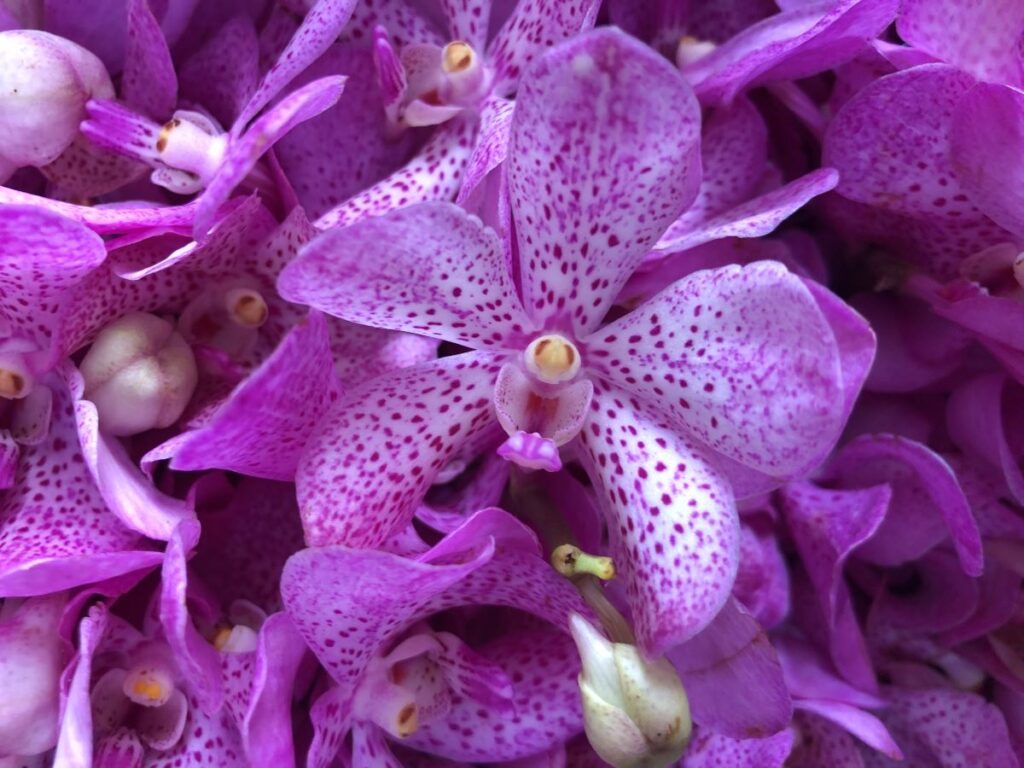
[[491, 147], [74, 745], [752, 218], [195, 657], [434, 173], [544, 664], [752, 375], [262, 427], [603, 156], [986, 145], [794, 44], [733, 677], [981, 37], [429, 268], [243, 152], [318, 30], [533, 27], [148, 84], [671, 516], [375, 454]]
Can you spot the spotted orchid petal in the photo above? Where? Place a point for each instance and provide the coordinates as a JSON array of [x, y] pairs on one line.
[[533, 27], [290, 392], [979, 37], [734, 365], [711, 750], [378, 450], [491, 147], [670, 514], [545, 701], [434, 173], [577, 123], [52, 539], [148, 83], [468, 20], [382, 272]]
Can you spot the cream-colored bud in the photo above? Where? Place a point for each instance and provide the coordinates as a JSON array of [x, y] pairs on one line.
[[140, 374], [635, 711]]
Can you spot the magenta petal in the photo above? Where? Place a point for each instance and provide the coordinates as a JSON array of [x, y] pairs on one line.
[[752, 371], [195, 657], [148, 84], [110, 219], [639, 171], [467, 20], [491, 146], [370, 748], [927, 501], [245, 150], [671, 516], [861, 724], [434, 173], [331, 718], [907, 118], [987, 143], [429, 268], [212, 736], [790, 45], [544, 664], [262, 427], [75, 745], [711, 750], [533, 27], [362, 353], [318, 30], [223, 74], [822, 743], [733, 678], [375, 454], [981, 37], [958, 728]]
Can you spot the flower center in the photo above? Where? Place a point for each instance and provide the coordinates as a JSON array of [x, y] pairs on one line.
[[246, 307], [457, 57], [149, 685], [552, 358], [13, 385]]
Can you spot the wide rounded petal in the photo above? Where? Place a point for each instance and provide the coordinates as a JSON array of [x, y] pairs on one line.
[[987, 152], [378, 450], [740, 358], [431, 269], [603, 156], [671, 515]]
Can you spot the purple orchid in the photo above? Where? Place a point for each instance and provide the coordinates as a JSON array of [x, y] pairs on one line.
[[545, 364]]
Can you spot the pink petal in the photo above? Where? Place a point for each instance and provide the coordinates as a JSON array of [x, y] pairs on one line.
[[467, 21], [56, 531], [370, 748], [429, 268], [75, 745], [245, 150], [754, 371], [711, 750], [602, 158], [148, 84], [111, 219], [533, 27], [262, 428], [671, 516], [979, 36], [733, 678], [907, 119], [491, 146], [544, 665], [197, 660], [362, 353], [212, 736], [223, 74], [822, 743], [375, 454], [434, 173], [318, 30], [986, 144]]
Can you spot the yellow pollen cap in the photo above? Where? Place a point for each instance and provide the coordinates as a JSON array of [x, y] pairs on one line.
[[552, 358], [457, 57]]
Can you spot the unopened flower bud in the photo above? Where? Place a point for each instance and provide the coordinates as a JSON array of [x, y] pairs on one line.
[[635, 712], [45, 81], [140, 374]]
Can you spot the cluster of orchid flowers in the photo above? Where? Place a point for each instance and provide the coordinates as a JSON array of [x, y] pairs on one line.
[[535, 383]]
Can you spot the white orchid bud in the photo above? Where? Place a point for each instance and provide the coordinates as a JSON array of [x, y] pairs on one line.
[[45, 81], [140, 374], [635, 712]]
